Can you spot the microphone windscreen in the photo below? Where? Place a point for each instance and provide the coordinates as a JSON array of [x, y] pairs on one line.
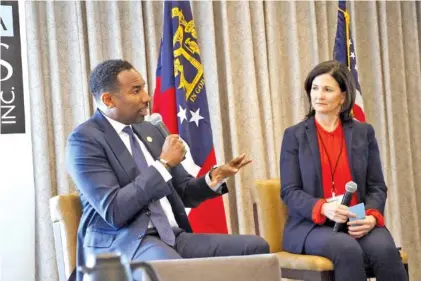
[[351, 187], [155, 118]]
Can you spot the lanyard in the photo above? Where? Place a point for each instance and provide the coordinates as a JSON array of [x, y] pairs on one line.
[[332, 171]]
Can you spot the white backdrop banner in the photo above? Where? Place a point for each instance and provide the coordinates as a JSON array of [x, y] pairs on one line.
[[12, 111]]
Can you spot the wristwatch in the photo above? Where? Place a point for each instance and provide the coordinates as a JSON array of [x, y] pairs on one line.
[[165, 163], [211, 170]]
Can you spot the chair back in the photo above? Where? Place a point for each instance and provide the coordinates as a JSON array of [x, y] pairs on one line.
[[65, 212], [270, 213]]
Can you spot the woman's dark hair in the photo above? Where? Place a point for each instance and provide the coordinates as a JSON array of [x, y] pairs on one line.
[[104, 77], [343, 77]]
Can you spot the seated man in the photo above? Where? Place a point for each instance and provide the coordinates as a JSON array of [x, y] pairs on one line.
[[132, 187]]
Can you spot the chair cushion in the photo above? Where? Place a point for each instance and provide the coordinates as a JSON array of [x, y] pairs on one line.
[[315, 263], [303, 262]]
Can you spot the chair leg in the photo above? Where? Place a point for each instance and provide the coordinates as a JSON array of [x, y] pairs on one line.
[[324, 276], [407, 269], [307, 275]]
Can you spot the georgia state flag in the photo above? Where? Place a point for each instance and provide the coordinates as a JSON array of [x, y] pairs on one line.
[[180, 97]]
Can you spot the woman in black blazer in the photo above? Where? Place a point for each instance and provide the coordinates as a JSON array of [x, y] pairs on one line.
[[319, 156]]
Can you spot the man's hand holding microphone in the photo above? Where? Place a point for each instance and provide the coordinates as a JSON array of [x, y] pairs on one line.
[[173, 151]]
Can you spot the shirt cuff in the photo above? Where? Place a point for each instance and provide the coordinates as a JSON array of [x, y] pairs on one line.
[[162, 170], [217, 187], [379, 217], [316, 215]]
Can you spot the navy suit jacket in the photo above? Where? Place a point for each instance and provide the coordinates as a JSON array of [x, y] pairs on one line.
[[301, 176], [115, 195]]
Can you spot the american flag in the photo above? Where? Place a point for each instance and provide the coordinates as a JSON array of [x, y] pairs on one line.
[[344, 51], [180, 97]]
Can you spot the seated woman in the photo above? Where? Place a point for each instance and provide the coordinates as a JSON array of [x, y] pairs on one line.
[[318, 157]]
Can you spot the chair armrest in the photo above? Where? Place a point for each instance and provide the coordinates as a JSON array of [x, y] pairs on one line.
[[269, 212]]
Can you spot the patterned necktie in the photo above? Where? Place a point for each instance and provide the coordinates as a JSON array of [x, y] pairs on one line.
[[158, 217]]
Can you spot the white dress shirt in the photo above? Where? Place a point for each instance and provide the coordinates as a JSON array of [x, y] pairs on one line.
[[118, 127]]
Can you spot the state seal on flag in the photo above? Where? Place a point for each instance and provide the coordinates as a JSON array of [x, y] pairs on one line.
[[187, 66]]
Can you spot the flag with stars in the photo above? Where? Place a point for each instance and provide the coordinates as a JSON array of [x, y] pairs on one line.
[[344, 51], [180, 97]]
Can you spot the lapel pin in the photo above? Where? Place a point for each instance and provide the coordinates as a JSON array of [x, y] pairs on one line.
[[149, 139]]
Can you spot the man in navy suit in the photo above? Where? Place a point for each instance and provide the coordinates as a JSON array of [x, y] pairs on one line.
[[132, 186]]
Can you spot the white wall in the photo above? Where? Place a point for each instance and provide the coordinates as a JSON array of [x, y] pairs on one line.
[[17, 220], [17, 193]]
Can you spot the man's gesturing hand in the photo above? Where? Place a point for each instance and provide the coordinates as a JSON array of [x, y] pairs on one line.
[[229, 169]]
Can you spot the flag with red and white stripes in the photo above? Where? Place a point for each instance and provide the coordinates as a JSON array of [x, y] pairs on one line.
[[344, 51]]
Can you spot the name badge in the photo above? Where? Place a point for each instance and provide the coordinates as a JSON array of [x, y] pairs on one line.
[[335, 199]]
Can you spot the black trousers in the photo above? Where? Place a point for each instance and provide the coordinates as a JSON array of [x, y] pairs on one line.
[[349, 256]]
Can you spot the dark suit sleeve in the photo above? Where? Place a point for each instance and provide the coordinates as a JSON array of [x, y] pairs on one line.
[[91, 171], [376, 193], [193, 191], [299, 202]]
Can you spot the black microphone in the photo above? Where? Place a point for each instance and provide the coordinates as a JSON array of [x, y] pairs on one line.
[[156, 120], [350, 188]]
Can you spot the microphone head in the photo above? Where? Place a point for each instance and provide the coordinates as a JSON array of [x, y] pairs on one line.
[[155, 118], [351, 187]]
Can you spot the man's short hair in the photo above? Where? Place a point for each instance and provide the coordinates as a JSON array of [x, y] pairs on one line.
[[104, 77]]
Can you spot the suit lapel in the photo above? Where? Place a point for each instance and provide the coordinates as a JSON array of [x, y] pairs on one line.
[[348, 141], [117, 146], [151, 140], [314, 145], [348, 131], [147, 136]]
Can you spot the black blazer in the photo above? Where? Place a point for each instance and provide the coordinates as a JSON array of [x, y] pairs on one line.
[[301, 176]]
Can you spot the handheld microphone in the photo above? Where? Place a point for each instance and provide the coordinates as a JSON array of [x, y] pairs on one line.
[[156, 120], [350, 188]]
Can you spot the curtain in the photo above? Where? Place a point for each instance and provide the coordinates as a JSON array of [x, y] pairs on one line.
[[256, 56]]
